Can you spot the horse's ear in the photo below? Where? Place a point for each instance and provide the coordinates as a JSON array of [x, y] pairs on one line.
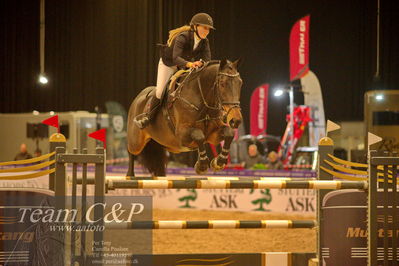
[[237, 63], [223, 63]]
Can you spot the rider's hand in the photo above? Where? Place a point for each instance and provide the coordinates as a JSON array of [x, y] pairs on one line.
[[194, 64]]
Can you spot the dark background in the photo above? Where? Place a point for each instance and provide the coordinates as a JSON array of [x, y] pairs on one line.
[[105, 50]]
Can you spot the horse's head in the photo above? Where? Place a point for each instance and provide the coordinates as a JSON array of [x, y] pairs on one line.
[[229, 89]]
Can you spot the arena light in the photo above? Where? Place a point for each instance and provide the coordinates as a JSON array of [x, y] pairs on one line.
[[278, 92], [379, 97], [43, 79]]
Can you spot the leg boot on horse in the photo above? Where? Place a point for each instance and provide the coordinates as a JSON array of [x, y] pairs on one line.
[[218, 163], [144, 121], [202, 164]]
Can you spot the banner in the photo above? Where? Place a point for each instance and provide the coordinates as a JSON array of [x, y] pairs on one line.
[[117, 134], [299, 48], [314, 99], [259, 105]]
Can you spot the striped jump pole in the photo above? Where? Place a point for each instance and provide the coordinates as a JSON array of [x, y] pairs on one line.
[[90, 181], [217, 178], [213, 224], [234, 184]]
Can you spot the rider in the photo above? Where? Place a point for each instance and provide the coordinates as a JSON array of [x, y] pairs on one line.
[[186, 47]]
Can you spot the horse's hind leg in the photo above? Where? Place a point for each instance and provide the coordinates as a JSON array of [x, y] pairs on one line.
[[202, 164], [130, 171], [219, 162]]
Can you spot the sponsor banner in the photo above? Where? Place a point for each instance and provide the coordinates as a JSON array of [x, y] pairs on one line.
[[116, 134], [258, 112], [293, 201], [344, 229], [314, 99], [39, 182], [263, 200], [299, 48]]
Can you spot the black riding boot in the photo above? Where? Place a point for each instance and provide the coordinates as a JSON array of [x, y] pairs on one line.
[[146, 119]]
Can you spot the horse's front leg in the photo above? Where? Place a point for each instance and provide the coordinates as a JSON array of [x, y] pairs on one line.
[[219, 162], [202, 164]]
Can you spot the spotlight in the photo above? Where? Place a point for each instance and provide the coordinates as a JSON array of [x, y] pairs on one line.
[[43, 79], [278, 92], [379, 97]]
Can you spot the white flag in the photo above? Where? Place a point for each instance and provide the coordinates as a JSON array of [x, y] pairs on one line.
[[331, 126], [372, 139]]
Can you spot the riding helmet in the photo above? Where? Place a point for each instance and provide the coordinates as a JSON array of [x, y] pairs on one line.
[[202, 19]]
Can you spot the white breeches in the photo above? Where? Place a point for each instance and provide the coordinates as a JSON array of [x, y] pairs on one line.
[[164, 74]]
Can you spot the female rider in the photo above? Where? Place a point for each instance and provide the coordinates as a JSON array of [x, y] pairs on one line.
[[187, 47]]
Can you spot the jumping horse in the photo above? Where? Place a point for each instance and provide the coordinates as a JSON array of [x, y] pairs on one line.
[[204, 108]]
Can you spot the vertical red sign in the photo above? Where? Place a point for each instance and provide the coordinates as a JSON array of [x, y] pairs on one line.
[[259, 102], [299, 48]]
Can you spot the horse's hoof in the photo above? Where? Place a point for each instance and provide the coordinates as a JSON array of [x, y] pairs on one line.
[[199, 170], [215, 166]]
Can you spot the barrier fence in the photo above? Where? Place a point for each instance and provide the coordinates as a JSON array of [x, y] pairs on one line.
[[324, 185], [381, 175]]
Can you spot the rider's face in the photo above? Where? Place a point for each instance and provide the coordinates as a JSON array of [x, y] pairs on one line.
[[203, 31]]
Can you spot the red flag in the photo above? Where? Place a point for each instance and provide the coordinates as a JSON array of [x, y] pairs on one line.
[[53, 122], [259, 102], [100, 135], [299, 48]]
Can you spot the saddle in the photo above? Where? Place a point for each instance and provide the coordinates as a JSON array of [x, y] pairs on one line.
[[176, 79], [169, 95], [175, 82]]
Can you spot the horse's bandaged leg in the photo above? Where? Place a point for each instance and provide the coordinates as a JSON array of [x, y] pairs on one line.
[[202, 163], [219, 162]]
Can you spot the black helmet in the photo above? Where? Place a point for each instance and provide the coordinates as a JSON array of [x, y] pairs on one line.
[[202, 19]]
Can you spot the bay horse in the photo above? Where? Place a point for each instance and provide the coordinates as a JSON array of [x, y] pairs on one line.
[[205, 108]]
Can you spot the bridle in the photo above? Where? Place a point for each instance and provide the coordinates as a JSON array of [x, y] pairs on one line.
[[218, 105], [206, 107], [234, 104]]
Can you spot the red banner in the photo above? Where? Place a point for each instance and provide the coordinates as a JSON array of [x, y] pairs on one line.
[[299, 48], [259, 105]]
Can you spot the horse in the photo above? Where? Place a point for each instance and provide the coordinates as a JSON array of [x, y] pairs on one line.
[[205, 108]]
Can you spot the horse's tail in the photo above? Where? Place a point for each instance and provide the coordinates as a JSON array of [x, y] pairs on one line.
[[153, 157]]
